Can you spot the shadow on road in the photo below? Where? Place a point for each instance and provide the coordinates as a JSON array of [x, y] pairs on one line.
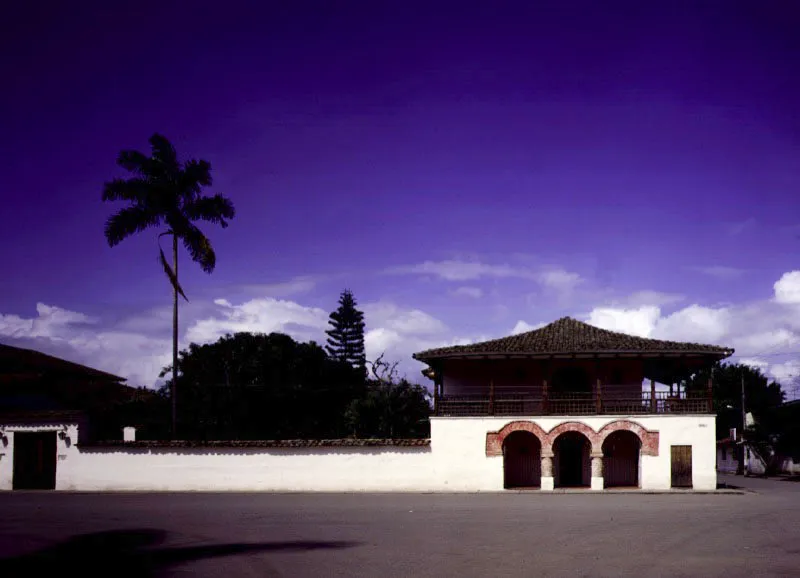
[[123, 553]]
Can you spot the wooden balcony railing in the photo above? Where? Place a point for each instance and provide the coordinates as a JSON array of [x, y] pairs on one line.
[[574, 403]]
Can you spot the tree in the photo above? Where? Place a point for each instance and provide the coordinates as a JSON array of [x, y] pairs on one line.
[[390, 408], [763, 399], [164, 193], [256, 386], [346, 336]]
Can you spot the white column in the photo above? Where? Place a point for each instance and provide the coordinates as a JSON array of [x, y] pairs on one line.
[[597, 471], [548, 483]]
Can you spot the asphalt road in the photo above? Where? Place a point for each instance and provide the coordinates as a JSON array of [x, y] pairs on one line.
[[383, 535]]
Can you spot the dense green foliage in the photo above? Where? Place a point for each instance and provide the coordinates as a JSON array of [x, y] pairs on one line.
[[772, 433], [346, 335], [762, 396], [256, 386]]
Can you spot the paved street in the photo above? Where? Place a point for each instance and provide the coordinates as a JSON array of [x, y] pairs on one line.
[[403, 534]]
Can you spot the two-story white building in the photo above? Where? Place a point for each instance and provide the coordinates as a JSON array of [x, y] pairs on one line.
[[571, 405]]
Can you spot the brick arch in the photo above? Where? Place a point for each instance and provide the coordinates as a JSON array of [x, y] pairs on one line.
[[571, 426], [649, 438], [494, 440]]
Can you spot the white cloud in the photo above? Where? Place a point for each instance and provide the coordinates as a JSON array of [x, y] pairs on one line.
[[765, 333], [292, 287], [559, 279], [785, 372], [770, 340], [404, 321], [657, 298], [263, 315], [787, 288], [456, 270], [695, 323], [692, 323], [49, 322], [721, 271], [640, 321], [76, 337], [523, 326], [757, 363], [474, 292], [133, 349]]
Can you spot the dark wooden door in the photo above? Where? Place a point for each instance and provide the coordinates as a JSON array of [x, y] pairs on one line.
[[522, 461], [34, 461], [681, 466]]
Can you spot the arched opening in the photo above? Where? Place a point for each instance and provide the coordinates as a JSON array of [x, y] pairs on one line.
[[572, 466], [621, 450], [522, 460]]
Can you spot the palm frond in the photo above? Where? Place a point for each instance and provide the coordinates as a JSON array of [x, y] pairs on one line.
[[128, 221], [197, 173], [214, 209], [173, 279], [135, 162], [197, 244], [164, 153], [134, 189]]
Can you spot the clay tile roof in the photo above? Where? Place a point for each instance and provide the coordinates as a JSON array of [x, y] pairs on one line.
[[17, 360], [568, 336]]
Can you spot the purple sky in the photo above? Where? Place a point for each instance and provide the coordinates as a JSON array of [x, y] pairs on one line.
[[461, 170]]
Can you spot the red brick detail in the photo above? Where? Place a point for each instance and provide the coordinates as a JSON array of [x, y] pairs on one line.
[[494, 440], [649, 438], [571, 426]]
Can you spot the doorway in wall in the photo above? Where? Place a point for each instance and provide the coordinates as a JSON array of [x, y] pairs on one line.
[[571, 461], [522, 459], [34, 461], [681, 466], [621, 451]]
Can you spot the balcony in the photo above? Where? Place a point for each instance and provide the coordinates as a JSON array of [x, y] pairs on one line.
[[574, 403]]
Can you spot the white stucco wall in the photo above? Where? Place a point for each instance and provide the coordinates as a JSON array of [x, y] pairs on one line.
[[455, 461], [273, 469], [459, 446]]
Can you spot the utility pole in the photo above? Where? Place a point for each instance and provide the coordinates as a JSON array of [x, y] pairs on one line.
[[742, 467]]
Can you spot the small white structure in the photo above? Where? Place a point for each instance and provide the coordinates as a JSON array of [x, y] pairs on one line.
[[557, 407]]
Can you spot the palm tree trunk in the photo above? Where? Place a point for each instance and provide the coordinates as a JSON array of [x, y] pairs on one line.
[[174, 339]]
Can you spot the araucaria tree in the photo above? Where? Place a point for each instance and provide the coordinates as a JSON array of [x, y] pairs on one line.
[[346, 335], [166, 195]]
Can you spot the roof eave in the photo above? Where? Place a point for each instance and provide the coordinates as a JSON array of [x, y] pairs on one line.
[[424, 357]]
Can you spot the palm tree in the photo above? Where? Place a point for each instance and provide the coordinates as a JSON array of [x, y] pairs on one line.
[[164, 193]]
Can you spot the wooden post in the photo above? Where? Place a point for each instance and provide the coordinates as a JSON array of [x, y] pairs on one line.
[[599, 401], [438, 388], [710, 396], [653, 403], [491, 397], [544, 395]]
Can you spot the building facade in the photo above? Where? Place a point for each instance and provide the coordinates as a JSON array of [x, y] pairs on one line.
[[573, 406], [565, 406]]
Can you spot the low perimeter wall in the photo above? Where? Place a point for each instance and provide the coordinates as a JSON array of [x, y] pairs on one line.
[[460, 456]]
